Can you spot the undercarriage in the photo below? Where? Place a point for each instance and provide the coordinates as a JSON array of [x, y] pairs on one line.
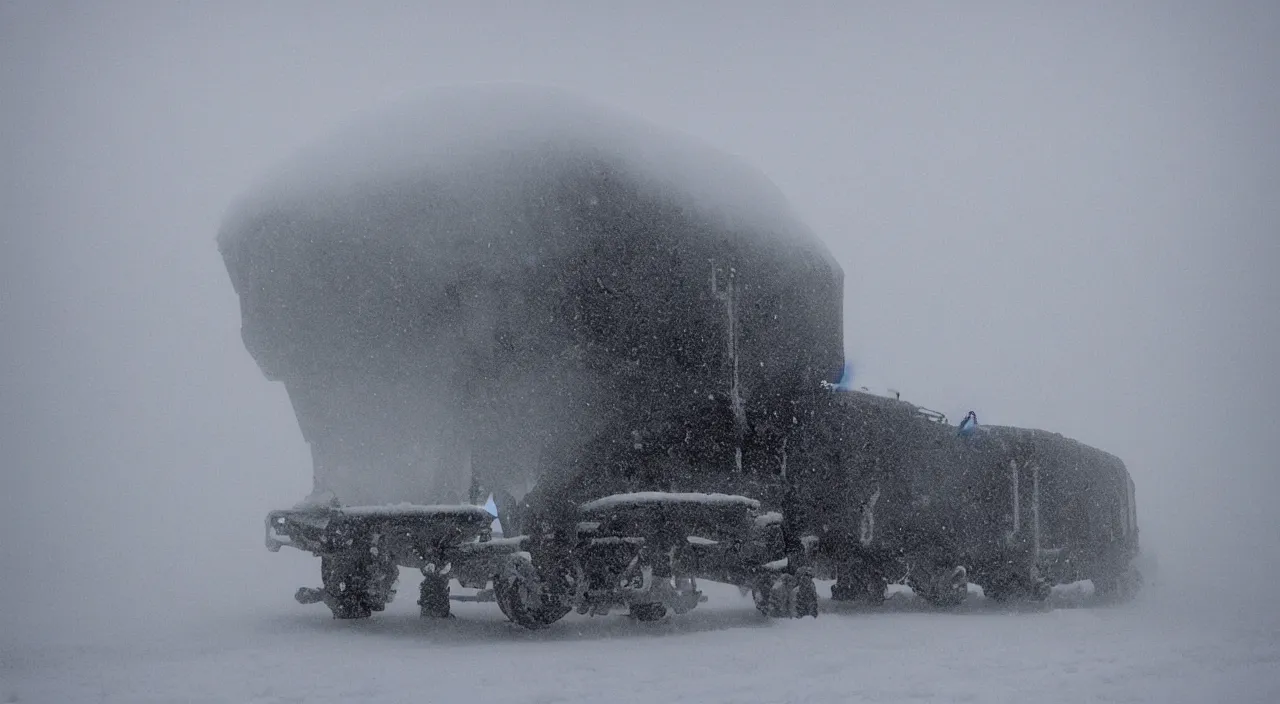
[[643, 553], [361, 549]]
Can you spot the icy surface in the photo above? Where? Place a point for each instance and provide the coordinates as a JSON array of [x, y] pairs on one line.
[[722, 653], [652, 497]]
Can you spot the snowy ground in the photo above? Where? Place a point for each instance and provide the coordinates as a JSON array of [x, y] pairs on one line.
[[1070, 651]]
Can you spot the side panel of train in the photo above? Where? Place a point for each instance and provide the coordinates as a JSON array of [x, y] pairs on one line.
[[886, 492], [880, 496], [1088, 515]]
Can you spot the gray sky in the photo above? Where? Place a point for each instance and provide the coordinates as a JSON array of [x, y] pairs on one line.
[[1062, 215]]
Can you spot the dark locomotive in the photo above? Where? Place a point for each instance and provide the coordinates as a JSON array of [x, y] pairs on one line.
[[627, 340]]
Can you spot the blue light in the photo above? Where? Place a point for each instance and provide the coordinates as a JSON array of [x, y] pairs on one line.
[[846, 377]]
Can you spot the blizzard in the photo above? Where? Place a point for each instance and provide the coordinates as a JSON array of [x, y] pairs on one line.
[[1069, 649], [1060, 215]]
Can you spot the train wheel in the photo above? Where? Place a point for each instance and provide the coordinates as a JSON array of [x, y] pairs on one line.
[[786, 596], [355, 588], [876, 588], [1040, 590], [942, 587], [997, 591], [648, 612], [1012, 587], [844, 591], [773, 595], [806, 597], [527, 599], [762, 594], [433, 599], [869, 589]]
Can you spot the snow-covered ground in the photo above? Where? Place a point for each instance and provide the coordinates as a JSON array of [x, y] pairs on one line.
[[1069, 651]]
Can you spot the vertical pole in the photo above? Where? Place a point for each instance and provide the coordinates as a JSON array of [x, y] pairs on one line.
[[1017, 513], [727, 295], [1035, 509], [784, 459]]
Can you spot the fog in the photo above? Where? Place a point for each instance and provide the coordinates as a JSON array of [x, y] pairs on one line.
[[490, 275], [1057, 217]]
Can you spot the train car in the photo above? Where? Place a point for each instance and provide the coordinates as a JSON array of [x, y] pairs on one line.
[[627, 339], [484, 281], [1084, 522], [492, 285], [892, 491], [884, 492]]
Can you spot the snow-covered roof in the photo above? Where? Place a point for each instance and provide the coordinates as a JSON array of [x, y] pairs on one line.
[[768, 519], [407, 509], [662, 497]]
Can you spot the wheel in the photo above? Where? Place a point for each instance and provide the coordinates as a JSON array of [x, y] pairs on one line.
[[526, 599], [843, 591], [997, 591], [806, 597], [1039, 590], [433, 599], [869, 589], [355, 588], [344, 589], [652, 611], [1001, 589], [786, 596], [1010, 587], [762, 595], [687, 595], [772, 595], [942, 587]]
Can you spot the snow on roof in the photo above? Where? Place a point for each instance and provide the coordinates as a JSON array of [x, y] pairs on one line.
[[407, 509], [508, 544], [768, 519], [662, 497]]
